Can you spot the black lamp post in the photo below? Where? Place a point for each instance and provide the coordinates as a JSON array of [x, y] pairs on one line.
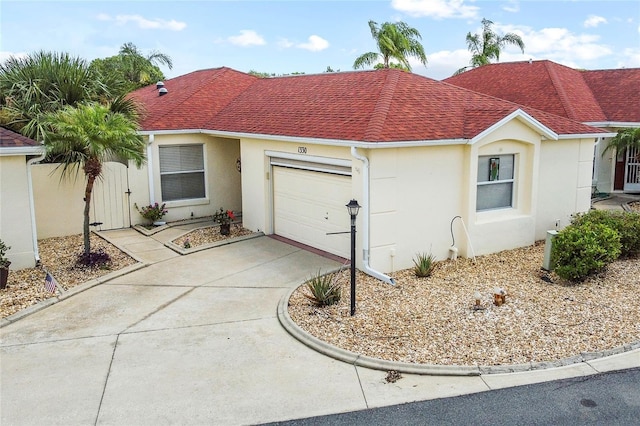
[[353, 207]]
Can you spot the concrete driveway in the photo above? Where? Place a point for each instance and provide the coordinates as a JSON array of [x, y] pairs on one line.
[[196, 340]]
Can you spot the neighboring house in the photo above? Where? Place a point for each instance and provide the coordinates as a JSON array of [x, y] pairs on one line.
[[290, 152], [17, 218], [608, 99]]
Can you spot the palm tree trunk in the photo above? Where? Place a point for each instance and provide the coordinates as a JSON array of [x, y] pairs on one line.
[[87, 203]]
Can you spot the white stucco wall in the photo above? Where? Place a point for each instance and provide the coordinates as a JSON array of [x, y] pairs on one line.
[[58, 202], [257, 205], [223, 181], [565, 182], [15, 215], [416, 192]]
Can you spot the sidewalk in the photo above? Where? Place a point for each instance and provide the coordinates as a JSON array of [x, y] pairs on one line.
[[614, 201], [197, 340]]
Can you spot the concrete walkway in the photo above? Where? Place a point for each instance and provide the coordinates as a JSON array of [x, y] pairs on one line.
[[196, 340]]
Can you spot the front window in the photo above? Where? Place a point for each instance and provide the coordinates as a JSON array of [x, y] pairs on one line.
[[495, 182], [182, 172]]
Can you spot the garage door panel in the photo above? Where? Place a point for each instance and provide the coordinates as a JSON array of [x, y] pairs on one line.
[[308, 205]]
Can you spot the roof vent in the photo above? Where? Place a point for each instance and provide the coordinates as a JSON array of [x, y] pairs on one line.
[[162, 91], [530, 60], [159, 84]]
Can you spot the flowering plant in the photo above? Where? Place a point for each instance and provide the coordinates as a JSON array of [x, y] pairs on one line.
[[224, 217], [152, 212]]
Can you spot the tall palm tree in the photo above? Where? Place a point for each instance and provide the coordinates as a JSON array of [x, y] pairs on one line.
[[83, 138], [138, 67], [625, 139], [40, 83], [488, 45], [395, 41]]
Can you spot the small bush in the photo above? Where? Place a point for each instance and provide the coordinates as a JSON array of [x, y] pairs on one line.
[[626, 223], [582, 250], [424, 264], [95, 259], [324, 289]]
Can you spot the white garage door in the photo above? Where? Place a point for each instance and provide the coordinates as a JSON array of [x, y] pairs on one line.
[[308, 205]]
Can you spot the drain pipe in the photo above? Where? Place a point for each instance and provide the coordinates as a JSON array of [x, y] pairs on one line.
[[34, 232], [365, 220], [150, 168]]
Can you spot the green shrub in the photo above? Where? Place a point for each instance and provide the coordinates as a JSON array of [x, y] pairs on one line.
[[424, 264], [325, 290], [626, 223], [581, 250]]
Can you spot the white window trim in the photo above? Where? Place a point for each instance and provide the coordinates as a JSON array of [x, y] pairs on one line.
[[185, 201], [513, 181]]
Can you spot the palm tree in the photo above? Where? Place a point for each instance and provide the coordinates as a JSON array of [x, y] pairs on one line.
[[140, 68], [488, 45], [395, 41], [83, 138], [625, 139], [40, 83]]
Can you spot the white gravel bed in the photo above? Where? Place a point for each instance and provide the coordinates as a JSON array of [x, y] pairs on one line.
[[432, 320], [58, 256]]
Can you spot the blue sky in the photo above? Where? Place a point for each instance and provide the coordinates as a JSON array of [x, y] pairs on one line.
[[307, 36]]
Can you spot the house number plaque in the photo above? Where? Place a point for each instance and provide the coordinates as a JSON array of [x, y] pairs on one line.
[[302, 150]]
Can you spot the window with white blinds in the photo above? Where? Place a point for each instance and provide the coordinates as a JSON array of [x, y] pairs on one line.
[[495, 182], [182, 172]]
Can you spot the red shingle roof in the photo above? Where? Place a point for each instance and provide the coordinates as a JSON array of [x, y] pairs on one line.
[[10, 139], [617, 92], [372, 106], [585, 96]]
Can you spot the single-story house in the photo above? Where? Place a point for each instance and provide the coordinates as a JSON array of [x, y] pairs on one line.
[[608, 99], [17, 217], [422, 158]]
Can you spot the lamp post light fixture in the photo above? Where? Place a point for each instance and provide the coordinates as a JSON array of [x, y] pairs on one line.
[[353, 207]]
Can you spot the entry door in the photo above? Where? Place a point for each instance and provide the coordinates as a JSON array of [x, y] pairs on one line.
[[632, 170], [308, 205], [110, 198]]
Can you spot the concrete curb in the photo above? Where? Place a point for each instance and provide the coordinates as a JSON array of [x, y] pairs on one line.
[[428, 369], [69, 293]]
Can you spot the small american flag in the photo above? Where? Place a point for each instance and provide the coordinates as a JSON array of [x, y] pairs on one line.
[[50, 283]]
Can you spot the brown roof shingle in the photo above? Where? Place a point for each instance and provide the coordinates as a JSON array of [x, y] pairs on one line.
[[11, 139], [585, 96], [371, 106]]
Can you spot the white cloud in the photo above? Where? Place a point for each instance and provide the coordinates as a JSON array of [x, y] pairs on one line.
[[247, 38], [285, 43], [144, 23], [437, 9], [594, 20], [314, 44], [557, 44], [630, 58], [4, 55], [512, 6], [441, 64]]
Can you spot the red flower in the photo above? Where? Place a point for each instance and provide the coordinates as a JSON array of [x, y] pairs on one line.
[[231, 215]]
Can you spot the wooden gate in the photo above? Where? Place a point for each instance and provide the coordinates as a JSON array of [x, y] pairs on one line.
[[110, 199]]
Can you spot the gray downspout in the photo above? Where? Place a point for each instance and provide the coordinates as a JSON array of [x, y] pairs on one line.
[[365, 220], [34, 232]]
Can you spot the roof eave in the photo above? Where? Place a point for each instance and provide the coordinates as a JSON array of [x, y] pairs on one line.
[[523, 116], [613, 124], [313, 141], [21, 150], [587, 135]]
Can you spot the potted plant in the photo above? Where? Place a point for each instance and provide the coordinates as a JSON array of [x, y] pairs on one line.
[[224, 218], [153, 213], [4, 264]]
